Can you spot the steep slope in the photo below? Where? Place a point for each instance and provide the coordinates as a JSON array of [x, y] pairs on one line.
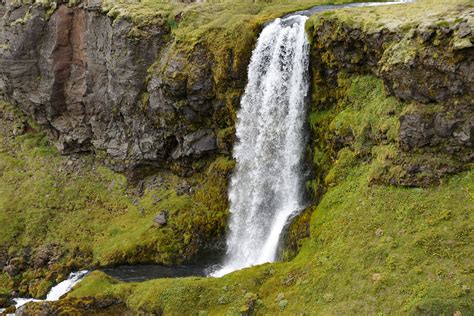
[[146, 88]]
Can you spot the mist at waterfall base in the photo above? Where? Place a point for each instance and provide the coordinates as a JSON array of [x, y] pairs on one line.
[[266, 188]]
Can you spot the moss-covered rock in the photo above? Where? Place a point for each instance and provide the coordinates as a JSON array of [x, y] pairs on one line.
[[429, 132], [389, 234], [45, 196], [83, 306]]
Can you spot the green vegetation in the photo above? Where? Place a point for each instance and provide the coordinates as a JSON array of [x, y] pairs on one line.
[[225, 30], [87, 215], [374, 248], [398, 17]]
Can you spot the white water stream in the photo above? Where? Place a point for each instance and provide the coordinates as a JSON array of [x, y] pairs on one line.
[[57, 291], [267, 186]]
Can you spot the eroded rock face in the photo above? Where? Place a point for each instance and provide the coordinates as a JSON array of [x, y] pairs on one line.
[[430, 68], [83, 77]]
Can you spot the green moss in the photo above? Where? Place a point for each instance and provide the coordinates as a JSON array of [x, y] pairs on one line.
[[373, 249], [96, 282], [367, 114], [400, 17], [92, 214], [344, 162]]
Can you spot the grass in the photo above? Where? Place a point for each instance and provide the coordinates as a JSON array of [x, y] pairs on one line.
[[402, 17], [374, 248], [227, 30], [91, 214]]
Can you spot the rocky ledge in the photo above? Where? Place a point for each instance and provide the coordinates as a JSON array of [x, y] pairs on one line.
[[425, 61]]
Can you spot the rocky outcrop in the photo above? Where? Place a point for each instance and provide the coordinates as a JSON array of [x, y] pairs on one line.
[[429, 67], [99, 84]]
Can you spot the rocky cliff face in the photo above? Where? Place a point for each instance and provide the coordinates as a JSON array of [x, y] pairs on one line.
[[99, 84], [429, 67]]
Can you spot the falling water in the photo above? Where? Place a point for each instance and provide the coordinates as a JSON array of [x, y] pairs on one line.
[[57, 291], [266, 188]]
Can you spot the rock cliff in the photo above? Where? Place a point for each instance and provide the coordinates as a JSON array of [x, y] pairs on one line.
[[96, 83]]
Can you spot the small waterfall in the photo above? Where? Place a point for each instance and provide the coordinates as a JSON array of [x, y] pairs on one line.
[[266, 187], [57, 291]]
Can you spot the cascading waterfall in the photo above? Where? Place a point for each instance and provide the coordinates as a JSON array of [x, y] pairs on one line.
[[266, 187], [56, 291]]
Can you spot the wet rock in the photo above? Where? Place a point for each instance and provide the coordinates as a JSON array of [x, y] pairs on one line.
[[415, 131], [196, 144], [449, 129], [41, 258], [443, 127], [15, 266], [45, 255]]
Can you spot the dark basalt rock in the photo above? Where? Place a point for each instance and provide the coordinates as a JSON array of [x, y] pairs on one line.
[[451, 129], [89, 82]]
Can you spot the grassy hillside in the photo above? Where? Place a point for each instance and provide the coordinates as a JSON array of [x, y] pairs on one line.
[[374, 249], [72, 212]]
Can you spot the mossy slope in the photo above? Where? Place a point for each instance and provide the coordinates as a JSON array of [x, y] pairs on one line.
[[59, 213], [374, 248]]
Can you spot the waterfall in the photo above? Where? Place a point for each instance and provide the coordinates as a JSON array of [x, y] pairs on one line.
[[266, 187]]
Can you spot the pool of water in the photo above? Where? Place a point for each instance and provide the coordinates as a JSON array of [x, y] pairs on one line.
[[140, 273]]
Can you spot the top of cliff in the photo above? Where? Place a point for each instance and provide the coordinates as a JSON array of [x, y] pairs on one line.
[[406, 16]]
